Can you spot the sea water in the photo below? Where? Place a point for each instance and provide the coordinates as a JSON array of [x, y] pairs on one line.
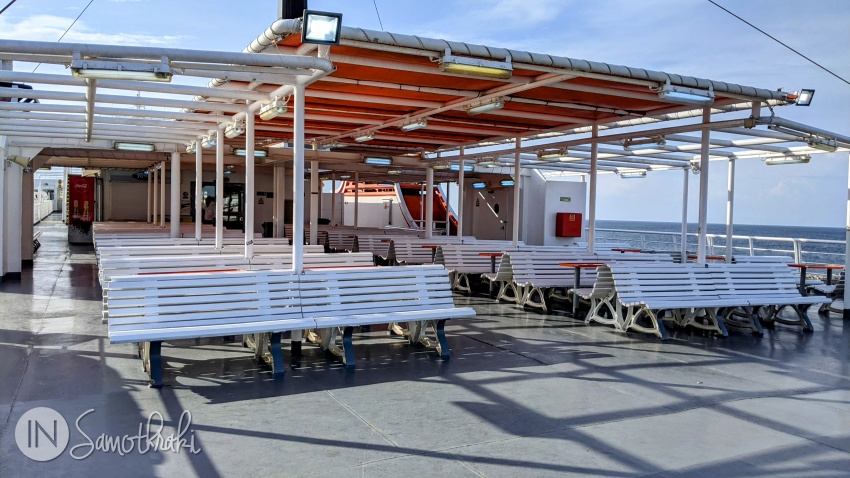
[[812, 252]]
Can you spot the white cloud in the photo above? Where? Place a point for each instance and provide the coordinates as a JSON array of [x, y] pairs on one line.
[[51, 27]]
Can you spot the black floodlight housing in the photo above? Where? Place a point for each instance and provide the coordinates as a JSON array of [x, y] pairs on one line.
[[804, 97], [321, 28]]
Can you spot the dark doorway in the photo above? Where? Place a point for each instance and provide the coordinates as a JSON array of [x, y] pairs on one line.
[[233, 203]]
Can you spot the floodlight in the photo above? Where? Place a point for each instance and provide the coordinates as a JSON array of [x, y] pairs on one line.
[[364, 137], [550, 154], [258, 153], [142, 147], [804, 97], [414, 125], [493, 105], [234, 129], [321, 28], [273, 109], [683, 94], [378, 161], [788, 159], [475, 66], [632, 174], [467, 168], [634, 144], [479, 185], [507, 182], [823, 144], [120, 70]]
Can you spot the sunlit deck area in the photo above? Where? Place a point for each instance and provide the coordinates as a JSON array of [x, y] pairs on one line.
[[524, 394]]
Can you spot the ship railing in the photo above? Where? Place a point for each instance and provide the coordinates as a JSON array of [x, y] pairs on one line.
[[800, 249]]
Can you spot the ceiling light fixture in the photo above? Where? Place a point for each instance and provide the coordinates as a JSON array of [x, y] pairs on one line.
[[378, 161], [394, 172], [414, 125], [140, 147], [479, 185], [507, 182], [467, 168], [551, 154], [475, 66], [823, 144], [440, 166], [258, 153], [632, 174], [274, 109], [120, 70], [365, 137], [635, 144], [493, 105], [787, 159], [192, 147], [234, 129], [683, 94], [321, 28], [208, 142]]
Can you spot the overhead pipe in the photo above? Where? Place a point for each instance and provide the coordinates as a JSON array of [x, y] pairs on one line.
[[123, 100], [91, 88], [804, 129], [73, 118]]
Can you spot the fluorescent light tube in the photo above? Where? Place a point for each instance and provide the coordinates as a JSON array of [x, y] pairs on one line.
[[634, 144], [479, 185], [632, 174], [273, 109], [120, 70], [142, 147], [507, 182], [234, 129], [364, 137], [467, 168], [683, 94], [494, 105], [552, 154], [828, 145], [788, 159], [379, 161], [414, 125], [258, 153], [476, 67]]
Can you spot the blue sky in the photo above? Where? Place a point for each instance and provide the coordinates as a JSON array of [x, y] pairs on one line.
[[690, 37]]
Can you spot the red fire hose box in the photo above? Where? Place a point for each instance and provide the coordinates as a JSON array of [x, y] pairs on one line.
[[568, 224]]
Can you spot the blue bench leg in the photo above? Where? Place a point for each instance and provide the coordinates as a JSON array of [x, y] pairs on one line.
[[277, 353], [442, 343], [348, 347], [155, 364]]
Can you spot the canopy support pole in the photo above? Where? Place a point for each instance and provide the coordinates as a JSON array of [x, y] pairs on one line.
[[846, 300], [429, 202], [249, 185], [684, 244], [703, 185], [148, 204], [333, 199], [591, 208], [356, 199], [517, 168], [460, 180], [175, 194], [155, 211], [219, 188], [730, 205], [199, 190], [314, 202], [162, 194]]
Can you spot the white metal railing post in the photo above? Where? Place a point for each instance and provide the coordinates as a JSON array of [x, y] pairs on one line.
[[798, 251], [752, 252], [249, 185], [730, 206], [199, 190]]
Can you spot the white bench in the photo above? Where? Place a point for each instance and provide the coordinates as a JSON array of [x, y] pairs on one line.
[[538, 275], [646, 290], [152, 309], [764, 287], [350, 297], [463, 260]]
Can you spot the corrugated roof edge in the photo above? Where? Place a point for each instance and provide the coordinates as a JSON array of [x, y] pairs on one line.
[[283, 28]]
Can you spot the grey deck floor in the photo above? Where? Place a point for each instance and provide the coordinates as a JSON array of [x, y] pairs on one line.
[[524, 395]]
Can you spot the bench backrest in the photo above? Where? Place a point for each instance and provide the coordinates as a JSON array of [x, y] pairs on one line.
[[646, 282], [198, 303], [757, 279], [763, 259], [374, 290], [542, 268], [467, 258]]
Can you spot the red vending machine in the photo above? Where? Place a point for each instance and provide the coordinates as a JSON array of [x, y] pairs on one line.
[[80, 209], [568, 224]]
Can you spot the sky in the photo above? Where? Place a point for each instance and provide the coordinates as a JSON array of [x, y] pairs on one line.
[[688, 37]]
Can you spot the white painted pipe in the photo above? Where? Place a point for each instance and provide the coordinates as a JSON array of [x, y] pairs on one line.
[[730, 207], [148, 202], [703, 186], [517, 186], [155, 195], [333, 199], [298, 181], [429, 202], [199, 190], [90, 95], [591, 208], [314, 202], [249, 186], [684, 245], [356, 199], [219, 189], [162, 178], [73, 119], [175, 194], [460, 187]]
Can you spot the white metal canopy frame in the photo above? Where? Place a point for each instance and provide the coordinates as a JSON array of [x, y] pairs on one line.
[[420, 102]]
